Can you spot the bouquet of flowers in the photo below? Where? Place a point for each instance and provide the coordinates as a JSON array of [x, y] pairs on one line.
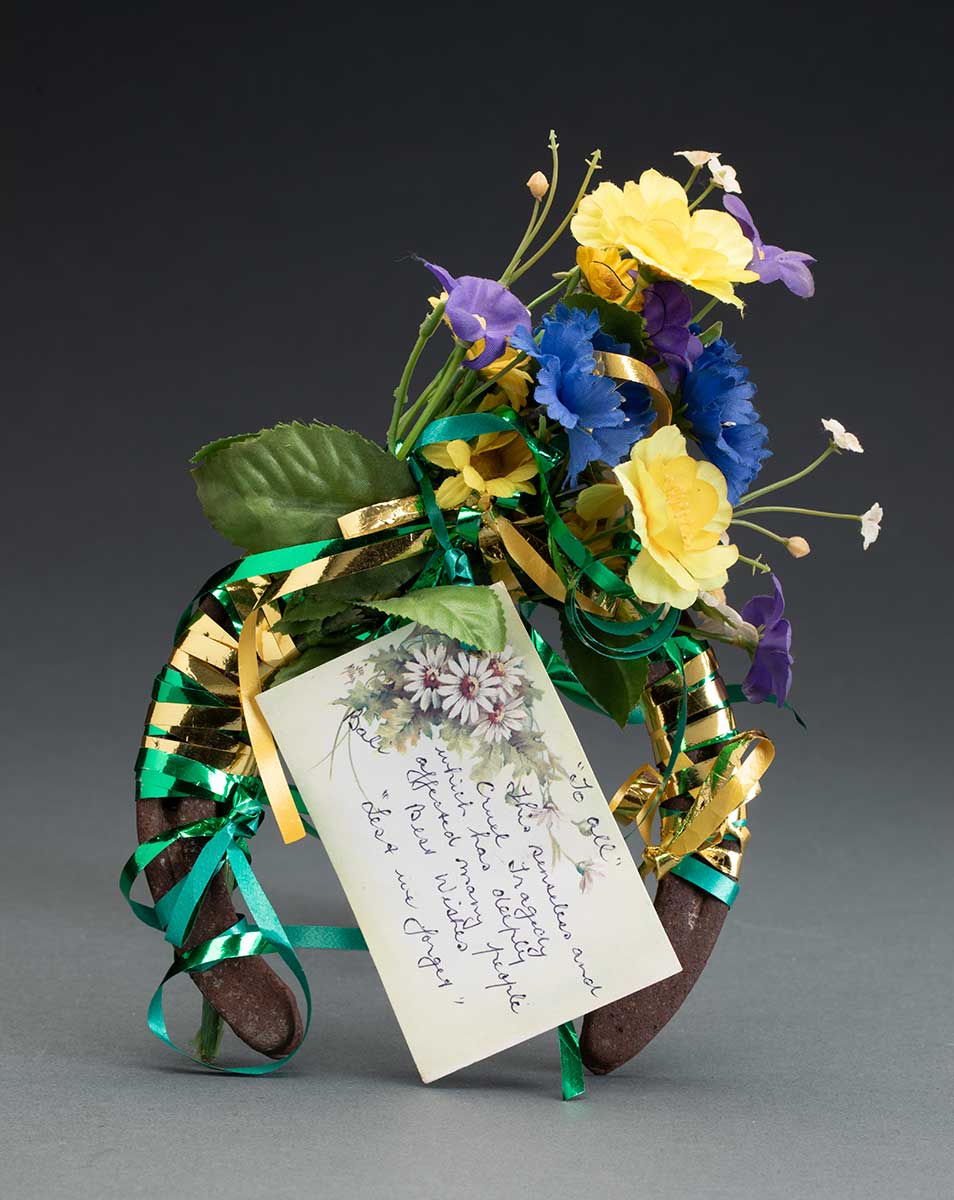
[[597, 450]]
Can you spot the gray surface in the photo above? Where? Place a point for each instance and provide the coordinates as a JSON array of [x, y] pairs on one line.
[[200, 211]]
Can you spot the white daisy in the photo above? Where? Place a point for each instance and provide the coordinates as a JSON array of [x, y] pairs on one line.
[[841, 437], [467, 688], [871, 524], [422, 676], [506, 669], [498, 722]]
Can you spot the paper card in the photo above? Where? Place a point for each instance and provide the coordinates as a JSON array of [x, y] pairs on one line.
[[475, 847]]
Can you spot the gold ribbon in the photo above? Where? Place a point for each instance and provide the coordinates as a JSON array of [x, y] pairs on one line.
[[705, 800], [631, 370]]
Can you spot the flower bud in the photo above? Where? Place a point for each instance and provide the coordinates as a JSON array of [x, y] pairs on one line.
[[538, 185], [797, 547]]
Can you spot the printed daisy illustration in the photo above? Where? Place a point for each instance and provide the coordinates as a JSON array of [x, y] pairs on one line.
[[501, 719], [468, 687], [423, 675]]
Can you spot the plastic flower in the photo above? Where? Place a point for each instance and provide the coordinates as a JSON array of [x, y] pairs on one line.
[[841, 437], [607, 274], [723, 175], [422, 676], [507, 669], [680, 511], [499, 465], [651, 220], [717, 397], [498, 722], [480, 310], [587, 405], [771, 670], [696, 158], [871, 525], [512, 388], [772, 263], [467, 689], [667, 313]]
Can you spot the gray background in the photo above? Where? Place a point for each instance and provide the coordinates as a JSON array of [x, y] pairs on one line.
[[211, 217]]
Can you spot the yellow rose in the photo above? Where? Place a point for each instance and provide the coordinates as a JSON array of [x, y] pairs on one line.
[[680, 511], [606, 273], [705, 249], [499, 465]]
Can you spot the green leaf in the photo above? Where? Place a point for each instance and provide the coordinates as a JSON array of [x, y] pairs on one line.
[[314, 656], [473, 615], [290, 484], [313, 605], [616, 684], [709, 335], [620, 323]]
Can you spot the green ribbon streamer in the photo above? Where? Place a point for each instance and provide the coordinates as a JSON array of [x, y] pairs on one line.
[[571, 1064]]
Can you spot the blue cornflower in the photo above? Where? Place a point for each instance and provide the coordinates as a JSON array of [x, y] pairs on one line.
[[717, 396], [589, 407]]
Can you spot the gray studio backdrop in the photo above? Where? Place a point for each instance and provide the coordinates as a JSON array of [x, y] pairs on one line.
[[211, 231]]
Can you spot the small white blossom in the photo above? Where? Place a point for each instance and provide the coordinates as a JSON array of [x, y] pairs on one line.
[[696, 158], [841, 437], [506, 669], [871, 524], [723, 175]]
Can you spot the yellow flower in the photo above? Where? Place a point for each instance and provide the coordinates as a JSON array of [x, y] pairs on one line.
[[680, 512], [605, 271], [705, 249], [512, 388], [500, 465]]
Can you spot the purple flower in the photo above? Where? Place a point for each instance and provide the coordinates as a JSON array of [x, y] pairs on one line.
[[772, 263], [771, 670], [667, 313], [480, 309]]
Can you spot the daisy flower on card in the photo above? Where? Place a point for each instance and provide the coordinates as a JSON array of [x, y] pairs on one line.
[[501, 720], [422, 676], [467, 688]]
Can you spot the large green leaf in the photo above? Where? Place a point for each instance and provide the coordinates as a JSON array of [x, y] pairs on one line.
[[290, 484], [473, 615], [313, 605], [620, 323], [616, 684]]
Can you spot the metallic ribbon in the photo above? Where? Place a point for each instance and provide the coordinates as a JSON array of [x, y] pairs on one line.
[[702, 806]]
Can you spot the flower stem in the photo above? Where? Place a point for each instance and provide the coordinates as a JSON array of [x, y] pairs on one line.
[[696, 632], [702, 195], [755, 564], [706, 308], [803, 512], [523, 243], [592, 164], [761, 529], [426, 331], [489, 383], [441, 388], [567, 284], [537, 224], [208, 1039], [692, 179], [773, 487]]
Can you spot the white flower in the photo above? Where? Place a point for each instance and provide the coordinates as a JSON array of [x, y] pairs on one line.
[[467, 688], [712, 615], [498, 722], [841, 437], [697, 158], [723, 175], [422, 676], [506, 669], [871, 524]]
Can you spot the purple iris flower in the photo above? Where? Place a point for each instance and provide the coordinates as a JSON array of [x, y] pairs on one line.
[[771, 670], [480, 309], [667, 313], [772, 263]]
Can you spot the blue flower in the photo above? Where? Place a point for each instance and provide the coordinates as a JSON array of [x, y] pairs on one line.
[[717, 396], [590, 407]]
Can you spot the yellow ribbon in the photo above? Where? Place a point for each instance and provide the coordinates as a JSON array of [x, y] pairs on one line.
[[631, 370]]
